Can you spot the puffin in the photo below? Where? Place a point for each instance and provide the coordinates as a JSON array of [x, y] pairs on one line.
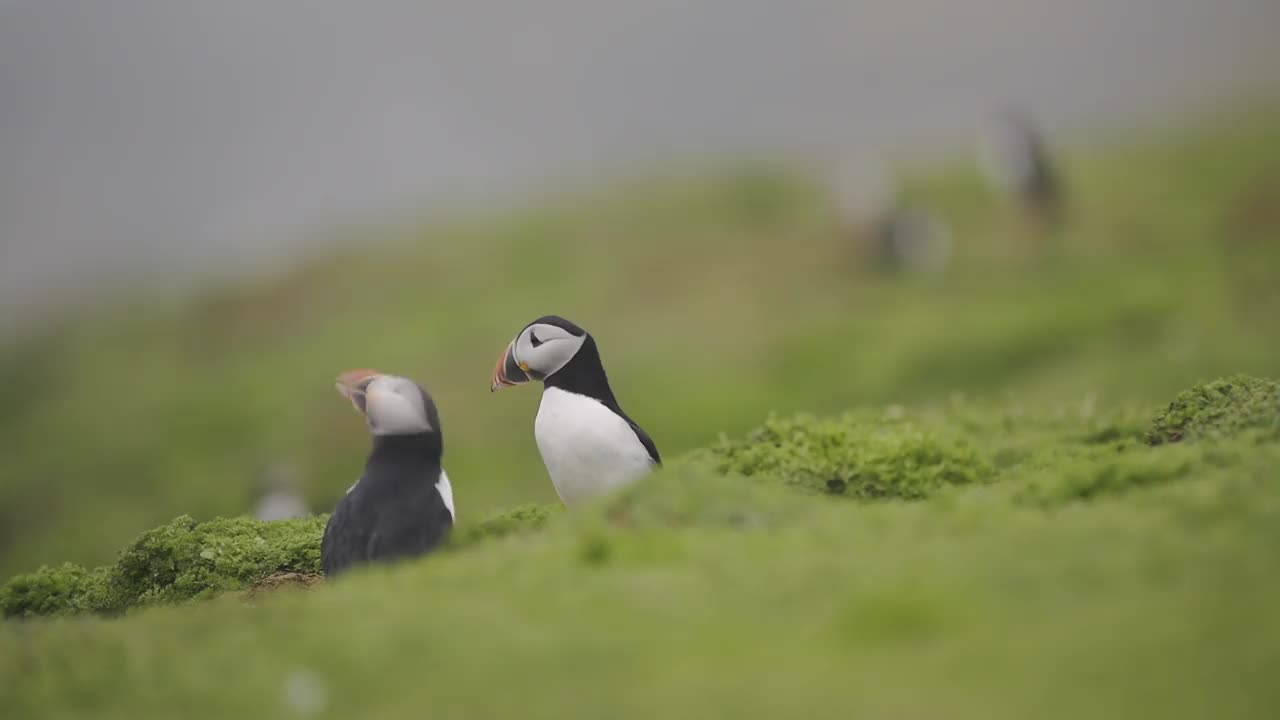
[[1016, 160], [588, 444], [402, 505], [911, 239], [280, 497], [897, 235]]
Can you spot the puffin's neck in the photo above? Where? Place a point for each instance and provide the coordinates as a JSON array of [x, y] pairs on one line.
[[422, 450], [584, 375]]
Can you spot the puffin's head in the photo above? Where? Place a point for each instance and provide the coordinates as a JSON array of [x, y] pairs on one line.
[[539, 351], [392, 405]]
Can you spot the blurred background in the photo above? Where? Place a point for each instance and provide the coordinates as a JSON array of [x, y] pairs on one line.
[[208, 210]]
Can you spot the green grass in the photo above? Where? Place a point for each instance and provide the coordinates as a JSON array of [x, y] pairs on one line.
[[865, 458], [1079, 578], [855, 456], [952, 508], [714, 303]]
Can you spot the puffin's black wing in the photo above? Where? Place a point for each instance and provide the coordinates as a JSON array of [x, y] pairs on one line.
[[345, 537], [647, 442], [643, 436]]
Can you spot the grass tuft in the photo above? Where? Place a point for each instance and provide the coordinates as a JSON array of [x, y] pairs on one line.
[[517, 520], [181, 560], [852, 456], [1221, 408]]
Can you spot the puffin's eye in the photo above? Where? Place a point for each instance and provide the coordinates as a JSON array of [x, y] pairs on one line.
[[533, 339]]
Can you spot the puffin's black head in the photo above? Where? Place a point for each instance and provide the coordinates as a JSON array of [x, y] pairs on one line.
[[392, 405], [540, 350]]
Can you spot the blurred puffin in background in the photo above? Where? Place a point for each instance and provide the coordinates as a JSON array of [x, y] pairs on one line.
[[280, 495], [1017, 163], [402, 506], [587, 442], [899, 236]]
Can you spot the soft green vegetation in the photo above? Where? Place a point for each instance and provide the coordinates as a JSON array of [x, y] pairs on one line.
[[860, 458], [178, 561], [1223, 407], [966, 500], [715, 304], [855, 456], [187, 560], [517, 520], [67, 588], [1080, 578]]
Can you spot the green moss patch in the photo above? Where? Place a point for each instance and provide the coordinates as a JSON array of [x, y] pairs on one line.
[[685, 495], [852, 456], [1221, 408], [186, 559], [1110, 471], [520, 519], [52, 591], [182, 560]]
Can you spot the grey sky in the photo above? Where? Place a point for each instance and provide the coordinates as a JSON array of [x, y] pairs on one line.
[[149, 135]]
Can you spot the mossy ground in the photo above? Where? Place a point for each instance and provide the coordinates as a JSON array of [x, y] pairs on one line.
[[1225, 406], [877, 458], [186, 560], [182, 560], [852, 456], [968, 523], [1092, 579]]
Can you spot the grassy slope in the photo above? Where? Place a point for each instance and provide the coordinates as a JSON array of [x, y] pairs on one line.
[[129, 416], [1088, 578], [1150, 596]]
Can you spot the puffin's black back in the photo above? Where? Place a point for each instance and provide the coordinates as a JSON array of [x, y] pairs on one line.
[[394, 511]]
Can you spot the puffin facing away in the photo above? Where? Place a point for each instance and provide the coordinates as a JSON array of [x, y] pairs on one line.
[[588, 443], [402, 506]]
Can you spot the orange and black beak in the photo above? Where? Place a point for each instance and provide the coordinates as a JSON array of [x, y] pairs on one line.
[[508, 372], [352, 385]]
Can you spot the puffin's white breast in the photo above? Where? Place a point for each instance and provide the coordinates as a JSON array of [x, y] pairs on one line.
[[586, 447]]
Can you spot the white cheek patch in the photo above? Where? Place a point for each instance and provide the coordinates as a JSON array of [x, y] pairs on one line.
[[391, 413], [556, 347]]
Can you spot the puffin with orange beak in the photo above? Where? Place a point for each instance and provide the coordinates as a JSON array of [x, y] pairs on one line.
[[402, 506], [587, 442]]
